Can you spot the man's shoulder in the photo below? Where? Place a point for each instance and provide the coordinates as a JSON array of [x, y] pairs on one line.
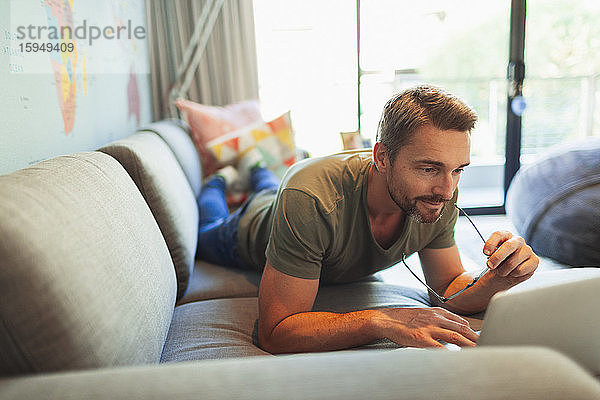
[[328, 169], [329, 179]]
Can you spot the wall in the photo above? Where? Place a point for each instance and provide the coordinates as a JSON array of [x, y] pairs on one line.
[[84, 91]]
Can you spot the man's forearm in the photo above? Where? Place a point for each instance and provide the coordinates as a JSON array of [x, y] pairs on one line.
[[285, 324], [476, 298], [321, 331]]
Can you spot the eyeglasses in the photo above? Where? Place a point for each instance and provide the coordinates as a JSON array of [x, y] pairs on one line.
[[444, 299]]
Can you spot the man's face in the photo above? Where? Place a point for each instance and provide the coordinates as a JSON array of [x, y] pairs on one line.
[[426, 171]]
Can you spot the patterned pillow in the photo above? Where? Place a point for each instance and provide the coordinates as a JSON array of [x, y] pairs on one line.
[[274, 140], [211, 122]]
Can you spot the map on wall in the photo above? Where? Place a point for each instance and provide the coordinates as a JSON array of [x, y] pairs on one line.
[[75, 74]]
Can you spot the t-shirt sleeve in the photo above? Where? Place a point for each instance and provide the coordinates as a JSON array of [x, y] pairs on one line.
[[299, 236], [445, 238]]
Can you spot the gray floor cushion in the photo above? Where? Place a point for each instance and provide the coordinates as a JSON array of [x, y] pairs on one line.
[[555, 204]]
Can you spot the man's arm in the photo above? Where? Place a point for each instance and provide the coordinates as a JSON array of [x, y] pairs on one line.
[[511, 262], [286, 323]]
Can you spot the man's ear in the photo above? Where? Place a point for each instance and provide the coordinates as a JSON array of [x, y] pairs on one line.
[[381, 157]]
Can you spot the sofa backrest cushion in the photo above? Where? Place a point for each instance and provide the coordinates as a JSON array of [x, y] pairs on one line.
[[159, 177], [85, 274], [176, 133]]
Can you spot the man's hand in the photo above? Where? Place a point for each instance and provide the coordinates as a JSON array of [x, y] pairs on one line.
[[511, 262], [509, 256], [423, 327]]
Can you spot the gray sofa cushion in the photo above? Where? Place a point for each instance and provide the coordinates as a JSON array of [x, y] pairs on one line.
[[157, 173], [367, 294], [176, 134], [213, 329], [226, 327], [211, 281], [555, 204], [85, 275], [363, 295], [486, 374]]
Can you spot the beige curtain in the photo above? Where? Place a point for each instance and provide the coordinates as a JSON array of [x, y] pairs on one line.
[[227, 72]]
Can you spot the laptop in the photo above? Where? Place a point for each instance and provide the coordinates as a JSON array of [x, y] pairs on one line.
[[564, 316]]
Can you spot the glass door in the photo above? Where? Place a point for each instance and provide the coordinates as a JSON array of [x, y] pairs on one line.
[[459, 45], [562, 81]]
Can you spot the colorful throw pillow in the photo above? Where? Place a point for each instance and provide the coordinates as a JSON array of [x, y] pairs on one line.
[[211, 122], [274, 140]]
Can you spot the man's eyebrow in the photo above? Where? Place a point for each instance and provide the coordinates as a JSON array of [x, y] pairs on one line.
[[437, 163]]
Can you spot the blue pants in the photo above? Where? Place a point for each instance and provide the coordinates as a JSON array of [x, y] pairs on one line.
[[218, 230]]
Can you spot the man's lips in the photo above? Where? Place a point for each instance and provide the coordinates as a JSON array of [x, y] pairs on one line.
[[433, 203]]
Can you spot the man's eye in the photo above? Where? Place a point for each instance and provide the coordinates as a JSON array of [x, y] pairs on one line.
[[428, 170], [459, 171]]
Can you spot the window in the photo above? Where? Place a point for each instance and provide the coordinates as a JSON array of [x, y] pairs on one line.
[[461, 46], [307, 63], [562, 81], [309, 54]]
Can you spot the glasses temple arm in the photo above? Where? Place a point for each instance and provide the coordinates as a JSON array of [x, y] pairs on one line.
[[471, 221], [433, 292], [444, 299]]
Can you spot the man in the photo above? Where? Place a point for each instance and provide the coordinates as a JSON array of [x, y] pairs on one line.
[[343, 217]]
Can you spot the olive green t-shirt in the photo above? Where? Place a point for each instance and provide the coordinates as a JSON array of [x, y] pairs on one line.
[[317, 224]]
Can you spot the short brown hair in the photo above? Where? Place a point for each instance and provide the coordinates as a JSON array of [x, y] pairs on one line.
[[423, 105]]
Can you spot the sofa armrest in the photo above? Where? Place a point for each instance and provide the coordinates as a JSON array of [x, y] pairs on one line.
[[493, 373]]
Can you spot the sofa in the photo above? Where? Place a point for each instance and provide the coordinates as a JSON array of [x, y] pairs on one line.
[[104, 296]]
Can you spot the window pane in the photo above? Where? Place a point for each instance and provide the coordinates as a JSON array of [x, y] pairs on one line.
[[461, 46], [562, 63], [307, 63]]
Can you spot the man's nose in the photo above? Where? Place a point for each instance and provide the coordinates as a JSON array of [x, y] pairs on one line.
[[445, 186]]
